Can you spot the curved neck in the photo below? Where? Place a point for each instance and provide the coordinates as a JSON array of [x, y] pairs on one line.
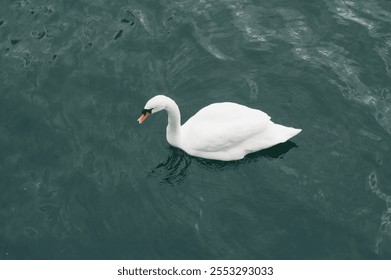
[[174, 116], [174, 123]]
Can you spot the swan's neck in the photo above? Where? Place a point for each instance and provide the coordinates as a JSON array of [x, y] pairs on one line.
[[174, 124]]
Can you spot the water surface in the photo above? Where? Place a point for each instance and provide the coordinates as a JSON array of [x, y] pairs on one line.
[[80, 179]]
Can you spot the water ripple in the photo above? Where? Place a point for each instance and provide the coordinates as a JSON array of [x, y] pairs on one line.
[[350, 84], [385, 220]]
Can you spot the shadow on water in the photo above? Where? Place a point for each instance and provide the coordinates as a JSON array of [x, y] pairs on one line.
[[174, 169], [275, 152]]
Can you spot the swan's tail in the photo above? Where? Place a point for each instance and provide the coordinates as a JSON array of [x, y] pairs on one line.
[[279, 134]]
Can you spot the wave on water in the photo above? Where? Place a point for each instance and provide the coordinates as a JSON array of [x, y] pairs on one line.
[[348, 67], [385, 220]]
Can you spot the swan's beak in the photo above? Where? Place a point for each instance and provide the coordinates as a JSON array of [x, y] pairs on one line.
[[143, 117]]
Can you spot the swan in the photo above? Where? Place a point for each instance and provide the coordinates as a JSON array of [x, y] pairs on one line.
[[220, 131]]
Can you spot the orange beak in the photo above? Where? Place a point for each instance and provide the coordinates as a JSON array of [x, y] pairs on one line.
[[143, 117]]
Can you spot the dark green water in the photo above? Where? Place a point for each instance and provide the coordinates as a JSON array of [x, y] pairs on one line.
[[79, 178]]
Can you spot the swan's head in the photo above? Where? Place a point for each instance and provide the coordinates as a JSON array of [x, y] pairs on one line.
[[154, 105]]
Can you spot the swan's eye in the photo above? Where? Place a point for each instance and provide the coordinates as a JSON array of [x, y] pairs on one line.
[[145, 111]]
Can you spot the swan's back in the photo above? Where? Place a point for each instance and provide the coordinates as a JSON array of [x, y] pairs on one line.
[[222, 126], [226, 112]]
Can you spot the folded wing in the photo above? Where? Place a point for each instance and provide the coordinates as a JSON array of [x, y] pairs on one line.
[[222, 126]]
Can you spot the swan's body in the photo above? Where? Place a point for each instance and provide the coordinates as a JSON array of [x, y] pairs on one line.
[[222, 131]]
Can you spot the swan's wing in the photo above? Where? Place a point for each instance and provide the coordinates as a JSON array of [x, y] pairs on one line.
[[222, 126]]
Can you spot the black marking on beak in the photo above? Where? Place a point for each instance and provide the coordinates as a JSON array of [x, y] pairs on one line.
[[145, 111]]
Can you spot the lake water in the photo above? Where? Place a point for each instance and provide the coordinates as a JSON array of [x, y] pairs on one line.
[[80, 179]]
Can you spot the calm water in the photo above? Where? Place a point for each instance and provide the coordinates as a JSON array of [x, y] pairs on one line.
[[79, 178]]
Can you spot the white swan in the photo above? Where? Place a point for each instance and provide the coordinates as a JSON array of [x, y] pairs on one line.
[[221, 131]]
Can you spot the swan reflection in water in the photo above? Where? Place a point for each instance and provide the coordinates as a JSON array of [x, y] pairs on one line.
[[174, 169]]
